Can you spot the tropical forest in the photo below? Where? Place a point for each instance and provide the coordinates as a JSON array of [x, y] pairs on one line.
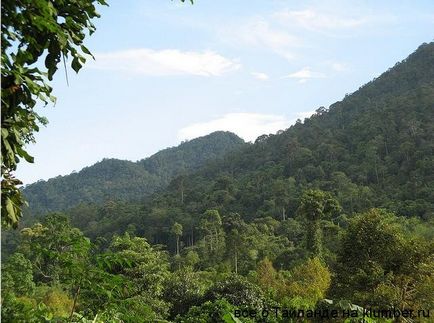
[[329, 220]]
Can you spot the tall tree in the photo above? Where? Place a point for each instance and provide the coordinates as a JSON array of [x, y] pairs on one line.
[[211, 225], [177, 231], [315, 205], [283, 191], [213, 243], [234, 226]]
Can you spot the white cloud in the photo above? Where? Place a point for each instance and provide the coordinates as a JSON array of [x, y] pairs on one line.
[[260, 76], [248, 126], [339, 67], [258, 32], [305, 74], [314, 20], [343, 20], [165, 62]]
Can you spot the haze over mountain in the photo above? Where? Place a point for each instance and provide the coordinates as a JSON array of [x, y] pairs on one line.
[[126, 180]]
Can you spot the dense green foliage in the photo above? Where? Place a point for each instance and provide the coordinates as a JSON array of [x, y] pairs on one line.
[[334, 213], [124, 180], [56, 273]]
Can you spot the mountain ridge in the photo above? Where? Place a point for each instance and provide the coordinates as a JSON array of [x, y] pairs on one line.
[[115, 176], [377, 143], [369, 149]]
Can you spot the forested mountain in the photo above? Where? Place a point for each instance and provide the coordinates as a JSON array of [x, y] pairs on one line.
[[372, 149], [126, 180], [333, 215]]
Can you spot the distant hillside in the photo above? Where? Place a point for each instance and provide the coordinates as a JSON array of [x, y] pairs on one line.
[[125, 180], [375, 148]]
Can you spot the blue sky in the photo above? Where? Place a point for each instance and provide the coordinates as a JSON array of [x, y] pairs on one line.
[[167, 71]]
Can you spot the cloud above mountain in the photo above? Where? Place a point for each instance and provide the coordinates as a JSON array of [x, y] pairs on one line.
[[247, 125], [166, 62]]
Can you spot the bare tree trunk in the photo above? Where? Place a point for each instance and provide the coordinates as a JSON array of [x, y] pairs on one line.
[[376, 172], [75, 302], [177, 245]]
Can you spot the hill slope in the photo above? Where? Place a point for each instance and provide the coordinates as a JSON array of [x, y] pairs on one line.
[[375, 148], [238, 233], [126, 180]]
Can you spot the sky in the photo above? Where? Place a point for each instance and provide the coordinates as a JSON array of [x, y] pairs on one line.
[[165, 72]]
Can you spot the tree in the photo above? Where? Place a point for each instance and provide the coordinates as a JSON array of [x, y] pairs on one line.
[[32, 31], [315, 205], [238, 291], [267, 276], [308, 283], [210, 224], [216, 311], [234, 226], [281, 192], [17, 276], [183, 290], [59, 258], [58, 252], [380, 265], [145, 269], [177, 231], [179, 183]]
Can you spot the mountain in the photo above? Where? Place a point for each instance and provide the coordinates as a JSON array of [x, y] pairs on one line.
[[374, 148], [126, 180], [299, 220]]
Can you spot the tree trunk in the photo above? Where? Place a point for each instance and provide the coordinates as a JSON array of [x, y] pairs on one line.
[[376, 172], [177, 245], [75, 302]]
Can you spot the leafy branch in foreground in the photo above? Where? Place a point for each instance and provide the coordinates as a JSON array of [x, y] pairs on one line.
[[34, 30]]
